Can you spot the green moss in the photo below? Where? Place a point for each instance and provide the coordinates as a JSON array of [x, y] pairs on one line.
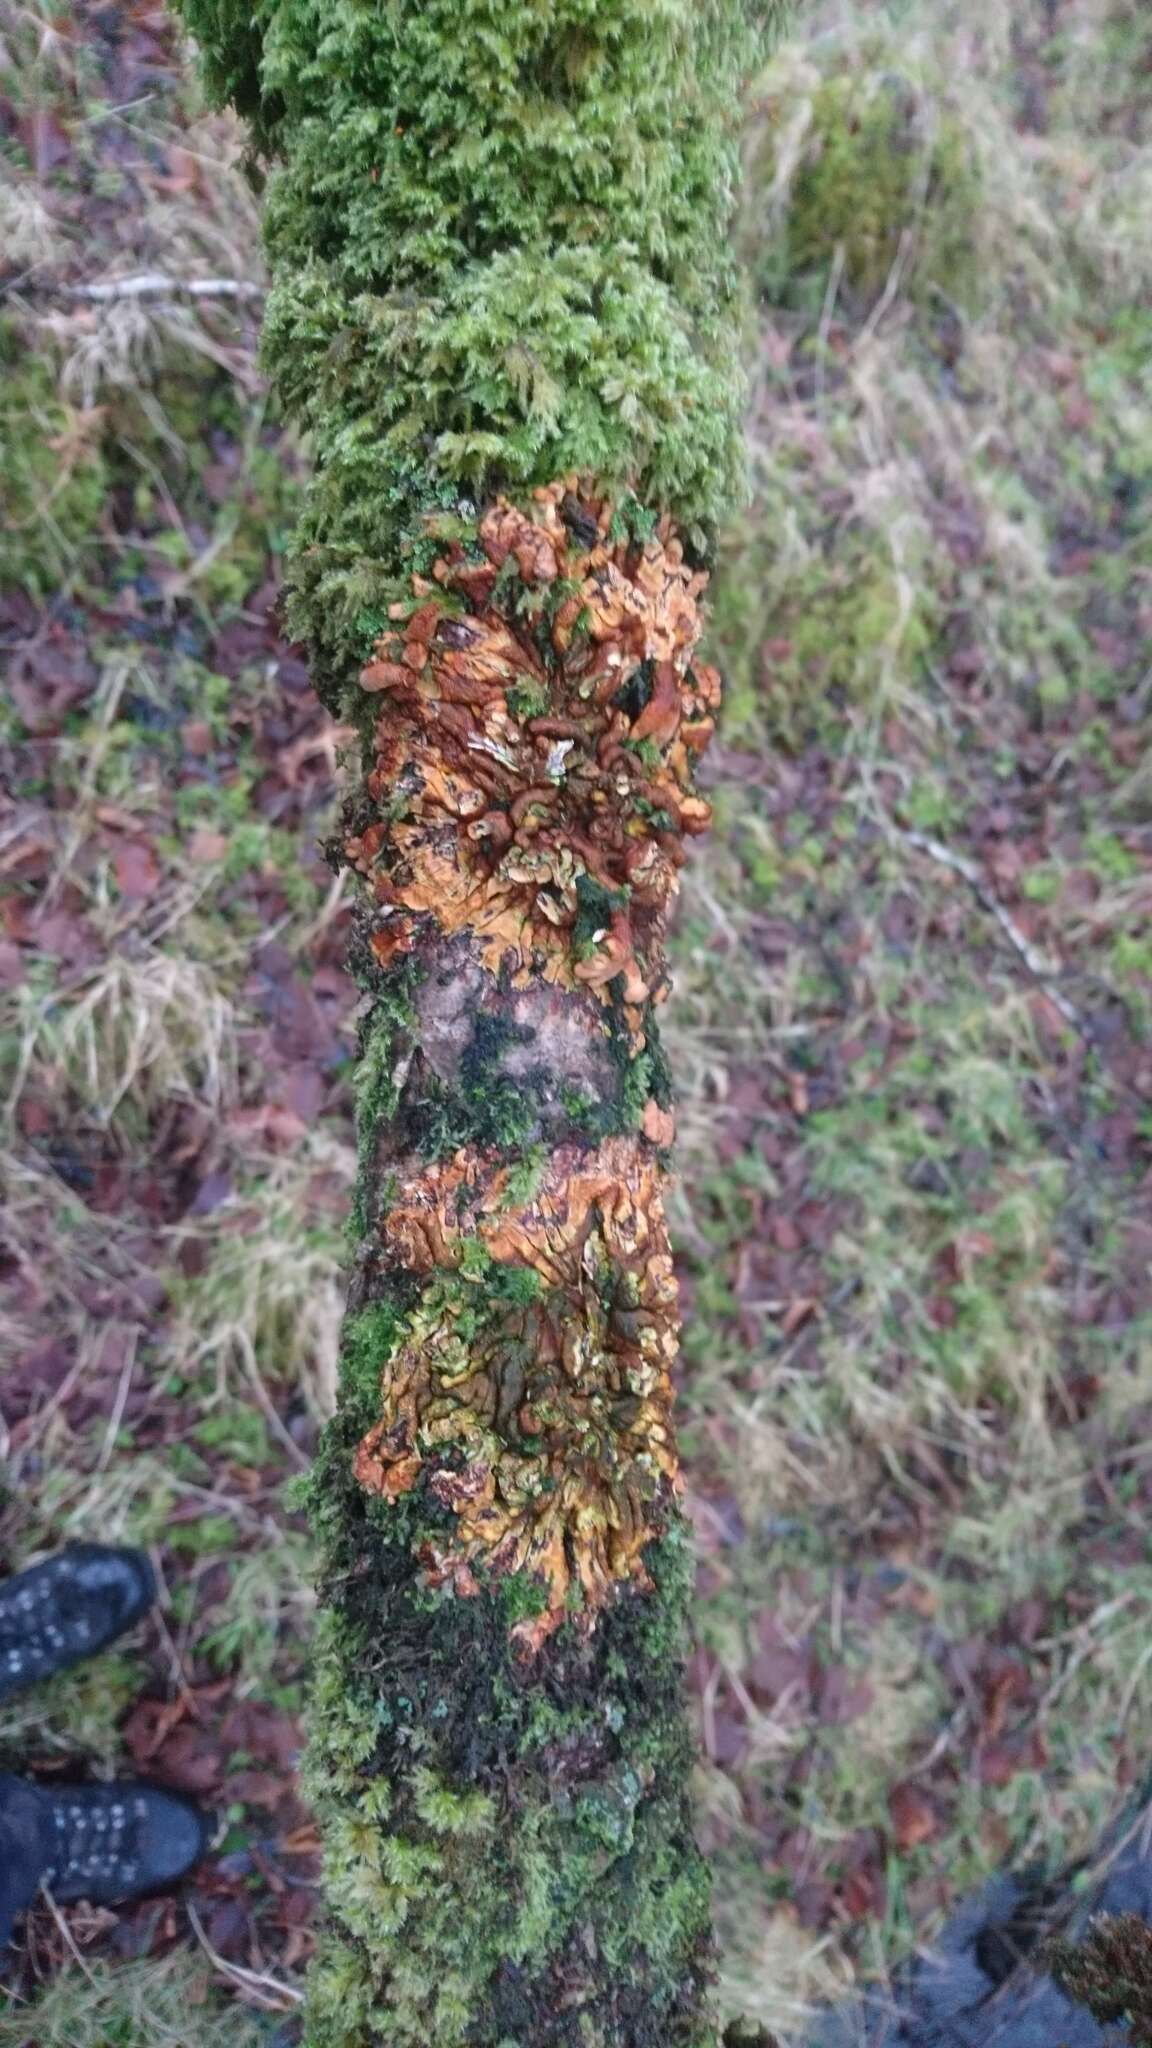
[[149, 440], [595, 907], [55, 478], [834, 625], [520, 1284], [524, 1180], [367, 1342], [882, 178], [385, 1029], [498, 237], [1109, 1970], [532, 1837]]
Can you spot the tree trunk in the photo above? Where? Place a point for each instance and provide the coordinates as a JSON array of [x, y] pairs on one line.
[[504, 309]]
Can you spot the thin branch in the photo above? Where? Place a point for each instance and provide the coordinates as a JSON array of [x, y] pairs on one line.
[[1042, 969], [272, 1993], [65, 1933], [154, 284]]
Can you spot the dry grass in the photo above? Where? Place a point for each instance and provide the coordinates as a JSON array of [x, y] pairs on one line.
[[152, 1029], [269, 1301], [168, 2004], [898, 1208], [879, 1111]]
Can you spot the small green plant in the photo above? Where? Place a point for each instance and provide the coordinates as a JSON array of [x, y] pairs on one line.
[[55, 471]]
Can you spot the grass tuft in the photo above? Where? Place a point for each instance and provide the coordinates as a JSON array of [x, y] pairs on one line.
[[166, 2004]]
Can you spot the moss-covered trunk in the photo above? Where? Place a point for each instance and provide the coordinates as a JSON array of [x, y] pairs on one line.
[[504, 308]]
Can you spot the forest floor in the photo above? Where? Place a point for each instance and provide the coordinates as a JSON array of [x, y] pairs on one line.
[[913, 1024]]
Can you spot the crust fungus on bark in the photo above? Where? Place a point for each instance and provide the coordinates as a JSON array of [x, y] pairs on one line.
[[504, 308], [531, 785]]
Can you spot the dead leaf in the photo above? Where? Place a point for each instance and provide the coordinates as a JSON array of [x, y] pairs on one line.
[[137, 871], [798, 1313], [727, 1737], [206, 846], [844, 1696], [798, 1093], [1004, 1682], [779, 1674], [863, 1892], [915, 1819]]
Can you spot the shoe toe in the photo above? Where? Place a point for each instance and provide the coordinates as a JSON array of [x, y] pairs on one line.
[[171, 1835], [120, 1582]]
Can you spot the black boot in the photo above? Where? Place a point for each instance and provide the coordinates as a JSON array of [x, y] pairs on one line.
[[108, 1843], [69, 1608]]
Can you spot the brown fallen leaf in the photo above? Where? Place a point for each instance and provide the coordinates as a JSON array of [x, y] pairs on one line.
[[205, 845], [797, 1313], [844, 1696], [798, 1094], [137, 871], [914, 1816], [1004, 1682], [863, 1891]]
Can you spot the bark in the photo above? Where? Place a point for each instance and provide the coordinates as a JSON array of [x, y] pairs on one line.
[[503, 305]]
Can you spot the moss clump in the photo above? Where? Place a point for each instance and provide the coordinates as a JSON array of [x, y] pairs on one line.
[[508, 1853], [832, 625], [498, 234], [385, 1031], [368, 1339], [883, 177], [73, 473], [55, 475]]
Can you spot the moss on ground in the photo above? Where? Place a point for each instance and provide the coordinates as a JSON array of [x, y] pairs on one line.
[[55, 472], [803, 644], [96, 2004], [886, 181]]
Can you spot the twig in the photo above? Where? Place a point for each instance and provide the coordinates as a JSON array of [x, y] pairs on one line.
[[173, 1650], [890, 292], [826, 312], [257, 1982], [66, 1933], [1128, 1696], [1038, 964], [264, 1399], [154, 284], [38, 1423]]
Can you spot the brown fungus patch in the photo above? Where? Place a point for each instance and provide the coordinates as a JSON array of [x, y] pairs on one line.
[[543, 714], [533, 1389]]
